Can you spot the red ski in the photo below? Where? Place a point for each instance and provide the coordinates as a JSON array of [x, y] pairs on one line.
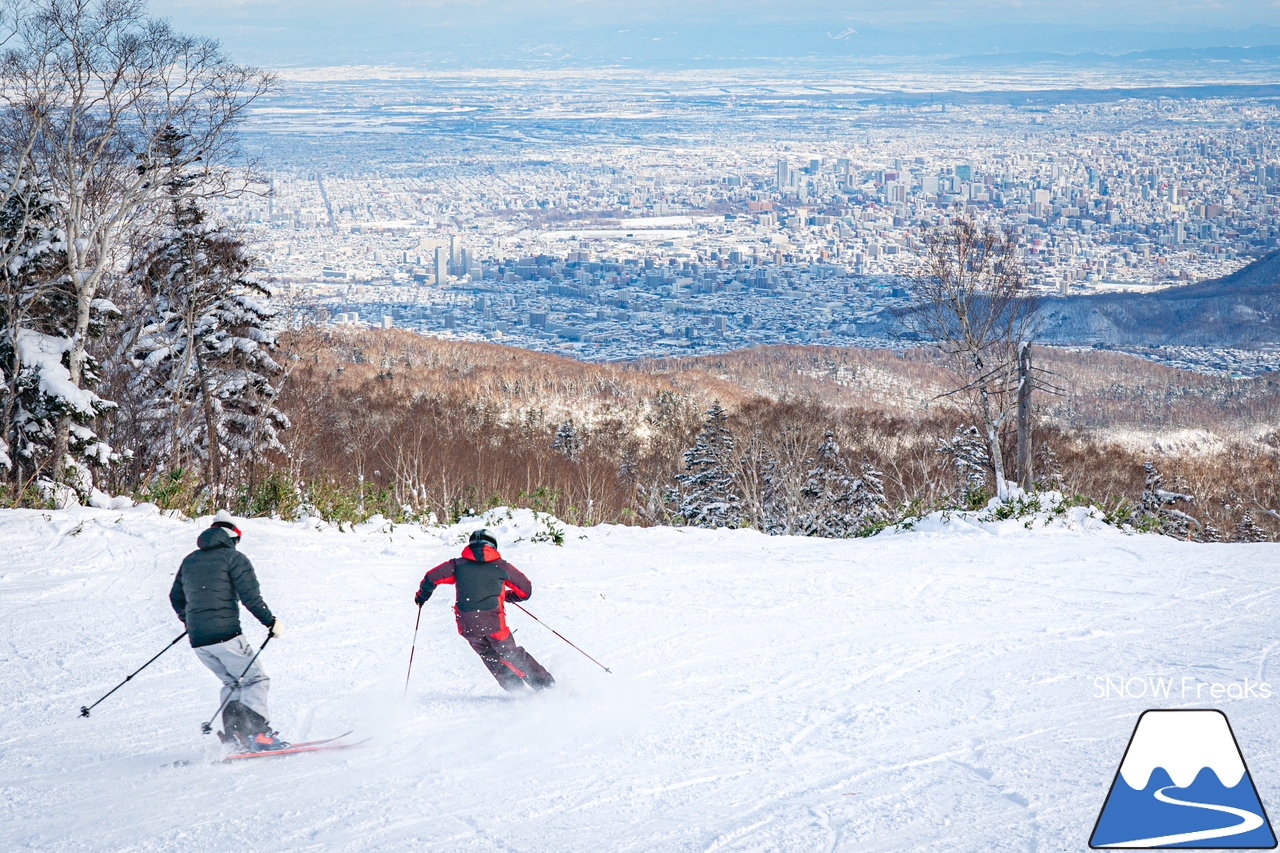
[[293, 749], [318, 742], [323, 746]]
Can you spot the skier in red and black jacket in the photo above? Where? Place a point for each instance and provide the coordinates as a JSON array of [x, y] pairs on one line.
[[484, 581]]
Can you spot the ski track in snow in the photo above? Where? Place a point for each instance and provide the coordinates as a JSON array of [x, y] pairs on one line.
[[922, 691]]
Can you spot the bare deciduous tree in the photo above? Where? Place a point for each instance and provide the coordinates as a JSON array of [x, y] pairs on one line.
[[972, 302]]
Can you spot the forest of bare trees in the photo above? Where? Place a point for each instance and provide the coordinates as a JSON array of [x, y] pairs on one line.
[[414, 425]]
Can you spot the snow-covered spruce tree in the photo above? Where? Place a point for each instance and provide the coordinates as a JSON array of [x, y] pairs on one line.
[[972, 460], [628, 467], [704, 492], [843, 505], [1050, 470], [829, 493], [566, 441], [869, 502], [1247, 530], [1157, 505], [205, 383], [780, 457], [37, 318]]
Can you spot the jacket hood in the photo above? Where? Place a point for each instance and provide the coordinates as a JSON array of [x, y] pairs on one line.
[[215, 537], [480, 553]]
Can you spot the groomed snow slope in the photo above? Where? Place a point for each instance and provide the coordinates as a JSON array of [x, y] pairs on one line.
[[931, 690]]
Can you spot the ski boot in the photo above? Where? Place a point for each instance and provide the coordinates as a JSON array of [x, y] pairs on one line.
[[540, 682], [267, 741], [248, 729]]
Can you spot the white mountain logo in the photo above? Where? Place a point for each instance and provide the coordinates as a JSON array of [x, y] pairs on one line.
[[1183, 783]]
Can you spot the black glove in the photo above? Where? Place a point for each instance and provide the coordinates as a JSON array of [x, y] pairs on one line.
[[512, 595], [421, 599]]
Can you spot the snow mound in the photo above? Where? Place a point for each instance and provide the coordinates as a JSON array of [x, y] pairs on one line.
[[1021, 512]]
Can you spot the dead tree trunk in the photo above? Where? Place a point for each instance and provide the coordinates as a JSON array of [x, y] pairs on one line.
[[1024, 416]]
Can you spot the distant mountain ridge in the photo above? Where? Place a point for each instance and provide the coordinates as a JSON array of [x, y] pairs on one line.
[[468, 36], [1264, 54], [1242, 309]]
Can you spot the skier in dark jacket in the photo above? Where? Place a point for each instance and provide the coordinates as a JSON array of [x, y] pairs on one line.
[[206, 595], [484, 581]]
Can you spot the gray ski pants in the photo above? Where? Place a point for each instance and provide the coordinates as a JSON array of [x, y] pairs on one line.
[[227, 660]]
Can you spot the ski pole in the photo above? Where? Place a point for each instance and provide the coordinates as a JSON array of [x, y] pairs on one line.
[[566, 639], [412, 648], [208, 727], [84, 710]]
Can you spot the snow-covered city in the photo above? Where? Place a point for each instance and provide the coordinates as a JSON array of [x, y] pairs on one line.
[[614, 227]]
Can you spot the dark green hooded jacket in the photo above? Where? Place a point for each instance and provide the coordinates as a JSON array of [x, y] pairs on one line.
[[209, 586]]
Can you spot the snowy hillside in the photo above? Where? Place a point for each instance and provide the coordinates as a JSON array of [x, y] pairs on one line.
[[931, 690]]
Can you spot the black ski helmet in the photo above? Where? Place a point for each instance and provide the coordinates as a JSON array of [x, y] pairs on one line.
[[483, 536]]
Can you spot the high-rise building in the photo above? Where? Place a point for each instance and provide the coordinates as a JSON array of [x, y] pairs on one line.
[[441, 265], [784, 175]]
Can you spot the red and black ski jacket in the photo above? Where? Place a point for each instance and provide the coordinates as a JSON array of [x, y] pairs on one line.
[[483, 580]]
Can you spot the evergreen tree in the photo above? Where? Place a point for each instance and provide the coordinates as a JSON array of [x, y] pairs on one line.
[[1157, 504], [777, 514], [870, 505], [830, 491], [705, 491], [842, 505], [971, 457], [567, 441], [628, 467], [1050, 470], [205, 377], [1248, 530], [1209, 534]]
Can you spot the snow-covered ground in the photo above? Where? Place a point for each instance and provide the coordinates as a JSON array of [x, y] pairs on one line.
[[932, 690]]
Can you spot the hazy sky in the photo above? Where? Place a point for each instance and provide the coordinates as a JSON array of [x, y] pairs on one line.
[[329, 30], [1236, 13]]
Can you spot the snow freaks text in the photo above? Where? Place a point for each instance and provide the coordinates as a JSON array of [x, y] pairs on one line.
[[1186, 687]]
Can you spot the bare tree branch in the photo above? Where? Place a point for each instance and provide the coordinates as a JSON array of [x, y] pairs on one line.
[[970, 300]]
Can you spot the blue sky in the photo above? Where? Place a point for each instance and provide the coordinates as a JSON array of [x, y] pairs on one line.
[[322, 31]]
